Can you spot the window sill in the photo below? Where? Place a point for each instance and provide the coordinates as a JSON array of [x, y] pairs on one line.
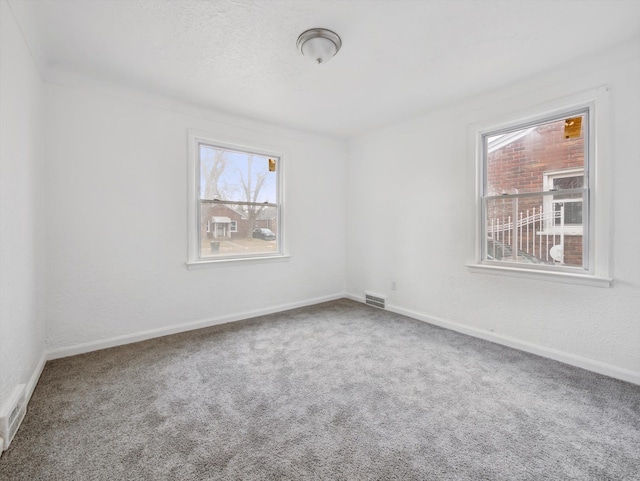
[[563, 277], [248, 260]]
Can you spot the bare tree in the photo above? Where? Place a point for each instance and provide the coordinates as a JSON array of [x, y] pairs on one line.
[[251, 191], [212, 189]]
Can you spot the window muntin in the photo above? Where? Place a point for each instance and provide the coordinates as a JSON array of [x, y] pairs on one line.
[[237, 191], [535, 195]]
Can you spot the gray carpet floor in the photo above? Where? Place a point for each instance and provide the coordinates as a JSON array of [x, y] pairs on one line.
[[337, 391]]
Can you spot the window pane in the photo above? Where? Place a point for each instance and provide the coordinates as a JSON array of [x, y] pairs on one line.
[[234, 230], [517, 160], [236, 176], [239, 205], [526, 230]]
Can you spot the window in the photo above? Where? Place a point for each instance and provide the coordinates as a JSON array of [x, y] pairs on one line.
[[542, 191], [233, 190], [567, 210], [536, 192], [542, 184]]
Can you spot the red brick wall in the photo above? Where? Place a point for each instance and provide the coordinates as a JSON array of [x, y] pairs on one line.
[[520, 165]]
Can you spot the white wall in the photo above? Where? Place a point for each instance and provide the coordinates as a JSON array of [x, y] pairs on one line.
[[22, 329], [410, 219], [117, 221]]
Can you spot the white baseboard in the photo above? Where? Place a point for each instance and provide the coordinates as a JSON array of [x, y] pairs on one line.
[[174, 329], [30, 387], [35, 377], [571, 359]]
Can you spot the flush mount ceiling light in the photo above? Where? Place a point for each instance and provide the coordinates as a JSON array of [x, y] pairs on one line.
[[319, 44]]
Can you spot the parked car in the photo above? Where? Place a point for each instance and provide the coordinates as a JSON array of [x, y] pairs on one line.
[[263, 233]]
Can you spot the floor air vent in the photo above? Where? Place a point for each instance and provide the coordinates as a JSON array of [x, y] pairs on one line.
[[12, 415], [375, 301]]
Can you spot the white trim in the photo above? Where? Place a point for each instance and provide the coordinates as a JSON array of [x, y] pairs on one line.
[[547, 183], [35, 377], [177, 328], [560, 356], [230, 260], [544, 275], [30, 387], [599, 169], [560, 174]]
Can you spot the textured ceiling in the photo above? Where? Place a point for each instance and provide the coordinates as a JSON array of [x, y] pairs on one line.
[[398, 58]]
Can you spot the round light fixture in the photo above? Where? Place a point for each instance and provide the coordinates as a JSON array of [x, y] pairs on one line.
[[319, 44]]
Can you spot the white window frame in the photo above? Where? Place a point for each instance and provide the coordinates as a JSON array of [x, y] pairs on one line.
[[233, 226], [596, 102], [547, 183], [194, 139]]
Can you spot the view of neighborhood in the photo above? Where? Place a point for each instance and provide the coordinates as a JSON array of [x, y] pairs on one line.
[[534, 189], [239, 210]]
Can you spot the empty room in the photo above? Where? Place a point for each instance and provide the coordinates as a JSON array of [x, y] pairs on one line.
[[319, 239]]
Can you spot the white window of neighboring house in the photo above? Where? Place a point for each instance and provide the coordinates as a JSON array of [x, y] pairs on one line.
[[540, 211], [228, 180], [567, 210]]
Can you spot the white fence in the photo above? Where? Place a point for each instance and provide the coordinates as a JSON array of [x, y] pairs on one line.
[[536, 236]]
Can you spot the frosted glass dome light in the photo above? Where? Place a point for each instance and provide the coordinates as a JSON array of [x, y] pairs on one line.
[[319, 44]]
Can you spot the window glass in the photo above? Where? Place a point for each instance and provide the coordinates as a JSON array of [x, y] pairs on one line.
[[238, 202], [535, 194]]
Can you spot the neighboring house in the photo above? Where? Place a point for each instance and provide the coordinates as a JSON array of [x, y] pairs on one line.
[[535, 160], [221, 221]]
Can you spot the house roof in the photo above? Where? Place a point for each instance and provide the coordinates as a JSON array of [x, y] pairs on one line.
[[239, 212], [267, 213]]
